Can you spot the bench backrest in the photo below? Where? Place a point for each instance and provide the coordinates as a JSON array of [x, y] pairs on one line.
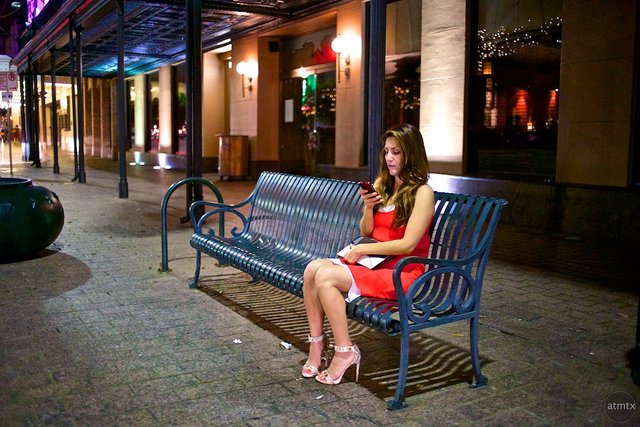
[[311, 217], [308, 217]]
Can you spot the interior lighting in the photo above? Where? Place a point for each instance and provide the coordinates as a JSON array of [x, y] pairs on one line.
[[487, 68], [223, 46], [248, 69], [303, 73], [163, 161], [137, 159]]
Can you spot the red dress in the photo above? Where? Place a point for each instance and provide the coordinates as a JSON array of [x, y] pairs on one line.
[[379, 281]]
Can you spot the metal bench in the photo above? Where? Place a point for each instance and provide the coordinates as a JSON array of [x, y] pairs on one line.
[[289, 220]]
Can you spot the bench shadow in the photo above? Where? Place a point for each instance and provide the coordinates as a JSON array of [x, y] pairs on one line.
[[434, 363]]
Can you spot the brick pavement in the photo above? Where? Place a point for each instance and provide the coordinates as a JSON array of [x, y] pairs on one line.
[[93, 334]]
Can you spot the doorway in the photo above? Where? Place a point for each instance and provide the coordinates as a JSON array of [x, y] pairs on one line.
[[307, 135]]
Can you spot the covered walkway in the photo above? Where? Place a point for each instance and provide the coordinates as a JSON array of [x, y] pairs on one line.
[[93, 334]]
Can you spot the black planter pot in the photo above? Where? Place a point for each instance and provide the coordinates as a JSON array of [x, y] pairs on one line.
[[31, 218]]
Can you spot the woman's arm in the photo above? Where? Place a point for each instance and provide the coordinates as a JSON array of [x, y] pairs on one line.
[[417, 225]]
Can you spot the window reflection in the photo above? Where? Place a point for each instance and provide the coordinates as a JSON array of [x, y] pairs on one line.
[[514, 88]]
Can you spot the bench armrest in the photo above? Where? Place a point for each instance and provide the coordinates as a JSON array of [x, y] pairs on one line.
[[217, 209], [448, 286]]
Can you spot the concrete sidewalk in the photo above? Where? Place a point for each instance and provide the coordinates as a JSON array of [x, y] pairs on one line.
[[93, 334]]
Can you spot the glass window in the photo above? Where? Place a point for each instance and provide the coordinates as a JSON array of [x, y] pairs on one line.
[[402, 70], [514, 88], [402, 91]]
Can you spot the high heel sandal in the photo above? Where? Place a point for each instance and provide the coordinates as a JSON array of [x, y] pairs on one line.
[[324, 376], [310, 371]]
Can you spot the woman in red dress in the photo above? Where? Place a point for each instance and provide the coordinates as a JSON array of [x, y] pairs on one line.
[[398, 215]]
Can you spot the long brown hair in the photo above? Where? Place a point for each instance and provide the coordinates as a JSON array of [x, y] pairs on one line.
[[414, 171]]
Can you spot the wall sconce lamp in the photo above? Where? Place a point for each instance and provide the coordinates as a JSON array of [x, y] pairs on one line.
[[340, 47], [248, 69]]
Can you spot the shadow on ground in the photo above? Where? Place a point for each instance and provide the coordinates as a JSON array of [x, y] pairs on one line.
[[45, 275], [27, 257], [434, 363]]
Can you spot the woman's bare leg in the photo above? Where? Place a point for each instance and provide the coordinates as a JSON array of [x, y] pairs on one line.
[[315, 312], [331, 282]]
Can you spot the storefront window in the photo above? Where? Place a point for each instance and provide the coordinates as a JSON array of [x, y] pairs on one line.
[[514, 89], [402, 69], [402, 91]]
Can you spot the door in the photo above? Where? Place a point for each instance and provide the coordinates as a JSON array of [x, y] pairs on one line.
[[292, 136]]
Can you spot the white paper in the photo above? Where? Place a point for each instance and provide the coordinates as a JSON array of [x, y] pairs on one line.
[[369, 261]]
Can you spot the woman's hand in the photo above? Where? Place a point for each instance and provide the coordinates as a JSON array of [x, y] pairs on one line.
[[353, 255], [369, 199]]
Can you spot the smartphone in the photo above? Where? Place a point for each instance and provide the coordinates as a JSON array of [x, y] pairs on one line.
[[366, 186]]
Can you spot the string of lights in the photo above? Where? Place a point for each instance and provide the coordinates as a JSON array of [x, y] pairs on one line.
[[508, 42]]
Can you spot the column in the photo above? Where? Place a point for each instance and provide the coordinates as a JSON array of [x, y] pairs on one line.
[[442, 86], [596, 92]]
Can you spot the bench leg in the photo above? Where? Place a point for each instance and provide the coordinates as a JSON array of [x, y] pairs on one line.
[[196, 275], [398, 399], [479, 380]]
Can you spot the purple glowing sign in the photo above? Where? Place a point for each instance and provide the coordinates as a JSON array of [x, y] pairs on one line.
[[34, 7]]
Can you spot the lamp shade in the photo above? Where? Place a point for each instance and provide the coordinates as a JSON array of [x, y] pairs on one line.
[[247, 68], [242, 67], [339, 44]]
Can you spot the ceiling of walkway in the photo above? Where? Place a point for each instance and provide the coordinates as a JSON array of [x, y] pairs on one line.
[[155, 31]]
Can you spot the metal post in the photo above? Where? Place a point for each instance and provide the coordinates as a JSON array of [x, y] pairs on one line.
[[36, 122], [43, 99], [54, 113], [123, 187], [82, 177], [76, 174], [376, 49], [194, 100], [10, 133]]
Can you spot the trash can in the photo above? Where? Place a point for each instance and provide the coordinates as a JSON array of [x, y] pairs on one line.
[[233, 156]]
